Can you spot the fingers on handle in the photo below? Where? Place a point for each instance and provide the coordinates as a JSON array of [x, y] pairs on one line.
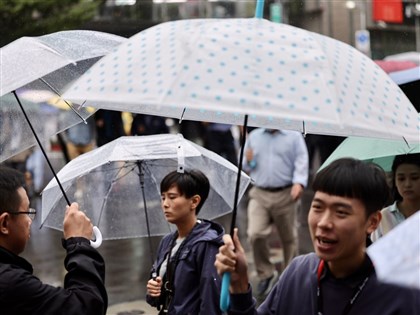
[[73, 207]]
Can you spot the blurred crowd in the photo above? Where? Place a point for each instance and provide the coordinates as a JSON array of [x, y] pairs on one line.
[[107, 125]]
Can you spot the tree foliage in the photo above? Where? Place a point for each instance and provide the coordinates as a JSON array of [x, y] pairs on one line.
[[39, 17]]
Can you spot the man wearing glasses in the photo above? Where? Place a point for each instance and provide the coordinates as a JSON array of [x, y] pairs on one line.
[[23, 293]]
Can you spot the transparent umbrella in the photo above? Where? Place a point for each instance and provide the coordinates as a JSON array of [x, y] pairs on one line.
[[36, 69], [396, 255], [118, 184]]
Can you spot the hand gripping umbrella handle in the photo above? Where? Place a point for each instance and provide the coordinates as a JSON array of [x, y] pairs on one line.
[[224, 293], [98, 238]]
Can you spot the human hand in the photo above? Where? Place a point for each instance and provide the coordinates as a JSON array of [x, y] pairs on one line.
[[231, 258], [296, 191], [154, 287], [76, 223]]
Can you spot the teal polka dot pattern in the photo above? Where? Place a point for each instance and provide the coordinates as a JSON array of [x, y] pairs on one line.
[[221, 69]]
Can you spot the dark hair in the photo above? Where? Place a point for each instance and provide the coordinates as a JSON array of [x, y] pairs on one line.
[[353, 178], [413, 159], [189, 183], [10, 181]]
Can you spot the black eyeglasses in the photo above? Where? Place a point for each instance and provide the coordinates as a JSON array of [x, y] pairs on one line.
[[30, 213]]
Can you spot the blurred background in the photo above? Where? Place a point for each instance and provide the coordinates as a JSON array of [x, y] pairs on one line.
[[378, 27]]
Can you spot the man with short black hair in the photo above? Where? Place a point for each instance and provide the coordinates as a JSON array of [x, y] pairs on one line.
[[339, 277], [186, 281], [23, 293]]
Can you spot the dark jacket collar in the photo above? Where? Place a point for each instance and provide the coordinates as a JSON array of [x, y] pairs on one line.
[[366, 269], [206, 231], [7, 257]]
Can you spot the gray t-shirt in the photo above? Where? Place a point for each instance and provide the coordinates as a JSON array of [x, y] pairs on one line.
[[164, 265]]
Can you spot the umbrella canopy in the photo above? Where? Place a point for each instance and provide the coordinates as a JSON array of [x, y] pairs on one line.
[[413, 56], [391, 65], [406, 76], [409, 82], [35, 66], [396, 255], [220, 69], [382, 151], [378, 151], [107, 184]]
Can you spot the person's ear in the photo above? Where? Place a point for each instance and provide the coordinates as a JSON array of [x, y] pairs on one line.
[[195, 201], [373, 221], [4, 223]]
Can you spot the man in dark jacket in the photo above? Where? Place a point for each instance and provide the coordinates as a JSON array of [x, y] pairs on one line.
[[186, 280], [23, 293], [339, 278]]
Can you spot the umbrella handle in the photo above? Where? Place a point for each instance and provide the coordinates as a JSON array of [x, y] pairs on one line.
[[224, 293], [98, 238]]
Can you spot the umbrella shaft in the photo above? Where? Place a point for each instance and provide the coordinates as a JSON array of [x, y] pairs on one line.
[[238, 178], [41, 147]]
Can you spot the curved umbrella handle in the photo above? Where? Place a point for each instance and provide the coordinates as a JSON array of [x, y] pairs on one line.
[[224, 293], [98, 238]]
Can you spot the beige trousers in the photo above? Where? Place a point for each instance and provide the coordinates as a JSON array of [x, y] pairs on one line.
[[264, 210]]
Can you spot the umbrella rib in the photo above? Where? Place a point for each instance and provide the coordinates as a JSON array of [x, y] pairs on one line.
[[116, 179], [153, 179], [59, 95]]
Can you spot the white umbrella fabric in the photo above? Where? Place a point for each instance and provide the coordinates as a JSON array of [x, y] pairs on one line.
[[118, 184], [383, 151], [279, 75], [32, 67]]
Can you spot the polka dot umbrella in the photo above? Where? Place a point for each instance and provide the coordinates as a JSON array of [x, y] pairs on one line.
[[222, 69], [252, 72]]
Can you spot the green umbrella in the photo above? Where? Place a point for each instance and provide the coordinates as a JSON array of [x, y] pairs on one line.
[[378, 151]]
